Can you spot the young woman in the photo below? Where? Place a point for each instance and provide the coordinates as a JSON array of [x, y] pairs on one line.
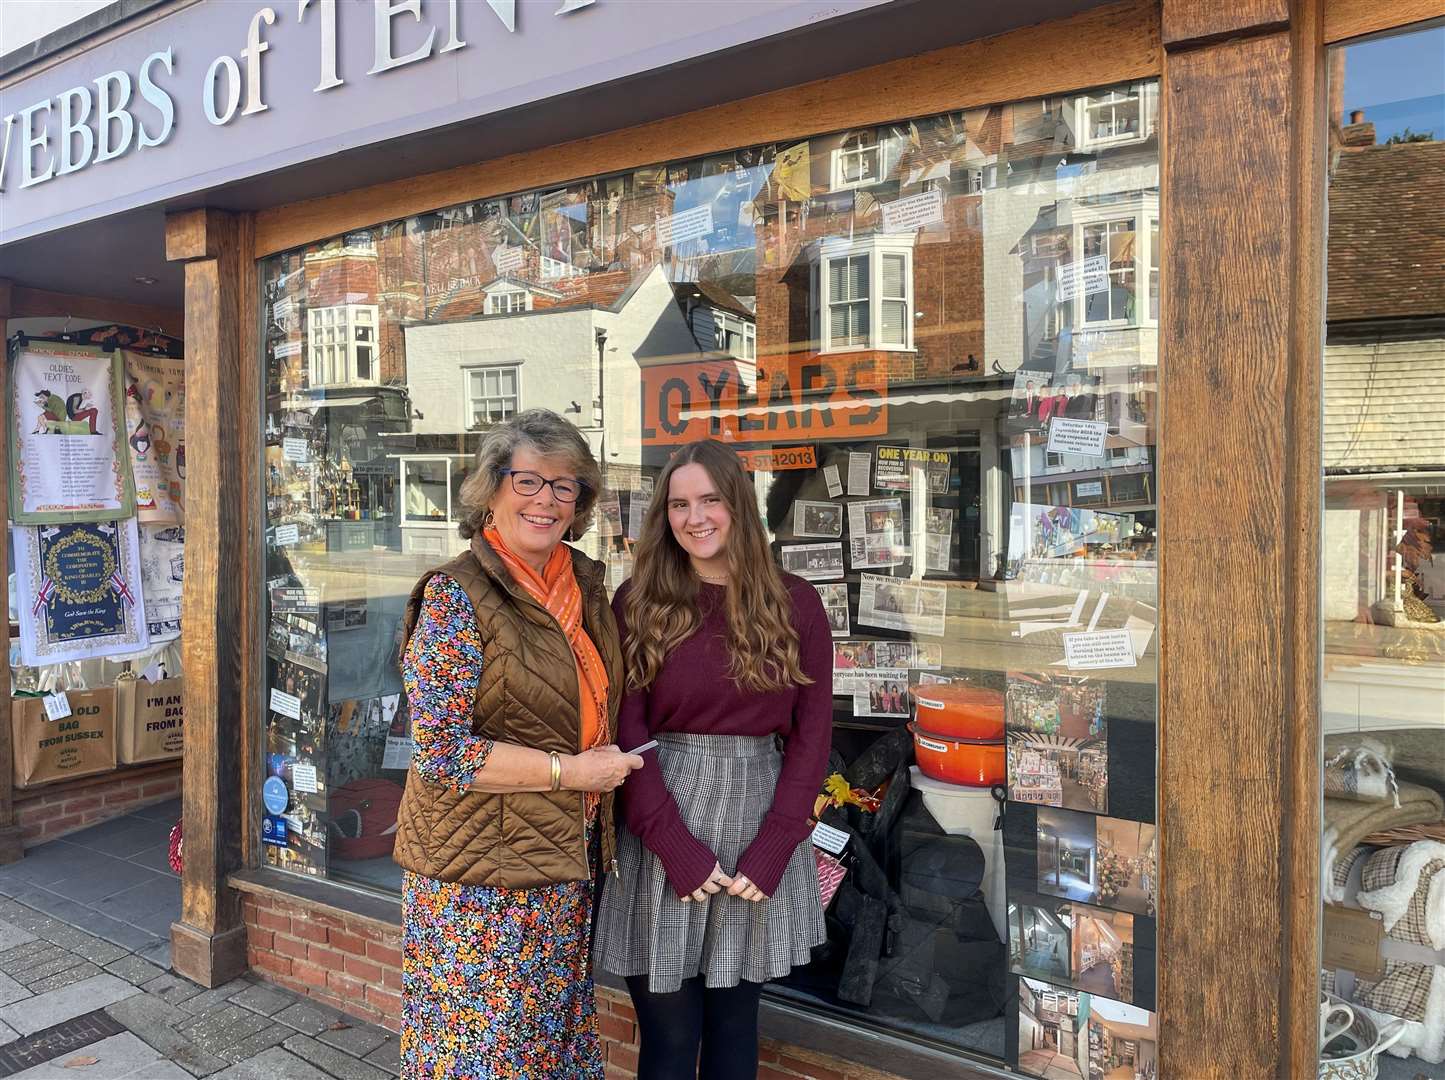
[[717, 891]]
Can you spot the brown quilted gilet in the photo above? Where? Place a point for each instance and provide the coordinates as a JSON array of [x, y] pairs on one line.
[[527, 695]]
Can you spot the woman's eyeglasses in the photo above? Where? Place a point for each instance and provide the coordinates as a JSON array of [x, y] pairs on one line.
[[529, 483]]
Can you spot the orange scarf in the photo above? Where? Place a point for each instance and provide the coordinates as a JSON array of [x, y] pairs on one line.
[[556, 589]]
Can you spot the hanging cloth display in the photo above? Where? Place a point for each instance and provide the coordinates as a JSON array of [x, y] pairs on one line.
[[68, 457], [78, 590]]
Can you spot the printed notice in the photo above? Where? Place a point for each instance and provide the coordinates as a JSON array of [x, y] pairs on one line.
[[1089, 488], [835, 482], [281, 310], [1077, 436], [829, 838], [295, 449], [303, 778], [1083, 278], [914, 212], [57, 706], [815, 562], [817, 519], [507, 259], [286, 349], [286, 535], [1101, 649], [689, 225], [285, 704], [859, 470]]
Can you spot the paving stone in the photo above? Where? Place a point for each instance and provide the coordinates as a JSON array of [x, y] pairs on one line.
[[251, 1045], [213, 997], [155, 1021], [94, 949], [12, 935], [273, 1064], [45, 1010], [222, 1028], [388, 1055], [266, 1000], [8, 1034], [134, 970], [340, 1065], [156, 1070], [42, 973], [310, 1018], [158, 953], [11, 991], [84, 970], [358, 1040], [120, 1055], [172, 988], [21, 956]]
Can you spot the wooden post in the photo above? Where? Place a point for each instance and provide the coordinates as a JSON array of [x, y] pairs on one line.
[[1239, 519], [219, 597], [10, 847]]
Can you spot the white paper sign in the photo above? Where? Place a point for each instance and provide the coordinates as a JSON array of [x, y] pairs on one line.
[[914, 212], [835, 483], [286, 349], [1090, 487], [285, 704], [689, 225], [303, 778], [829, 838], [1077, 436], [1083, 278], [286, 535], [154, 674], [1101, 649], [281, 310], [57, 706], [507, 259], [295, 449], [397, 754], [860, 468]]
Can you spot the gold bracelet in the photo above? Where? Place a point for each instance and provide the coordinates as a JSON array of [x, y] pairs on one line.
[[556, 770]]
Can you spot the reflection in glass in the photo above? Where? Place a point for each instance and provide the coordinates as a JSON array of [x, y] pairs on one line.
[[933, 344]]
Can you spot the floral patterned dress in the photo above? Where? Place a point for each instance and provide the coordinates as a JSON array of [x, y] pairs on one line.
[[496, 982]]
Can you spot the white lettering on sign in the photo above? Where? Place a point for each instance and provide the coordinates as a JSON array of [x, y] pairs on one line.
[[1100, 649], [1077, 436], [80, 127], [914, 212]]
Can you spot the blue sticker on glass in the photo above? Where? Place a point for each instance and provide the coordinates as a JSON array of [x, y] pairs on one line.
[[274, 795], [273, 831]]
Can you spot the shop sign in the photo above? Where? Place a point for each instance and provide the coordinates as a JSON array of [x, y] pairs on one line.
[[779, 458], [815, 395]]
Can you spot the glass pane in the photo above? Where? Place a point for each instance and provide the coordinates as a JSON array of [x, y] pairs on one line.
[[947, 420], [1382, 695]]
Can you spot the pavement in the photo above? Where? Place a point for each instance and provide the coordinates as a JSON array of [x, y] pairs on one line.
[[85, 990]]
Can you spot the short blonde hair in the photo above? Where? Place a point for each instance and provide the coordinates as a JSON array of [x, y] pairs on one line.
[[544, 433]]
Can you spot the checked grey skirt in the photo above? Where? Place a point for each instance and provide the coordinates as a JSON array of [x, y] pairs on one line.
[[723, 786]]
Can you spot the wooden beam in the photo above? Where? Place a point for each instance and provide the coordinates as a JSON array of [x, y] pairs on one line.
[[222, 399], [1109, 44], [1346, 19], [1238, 521], [44, 304], [1198, 21]]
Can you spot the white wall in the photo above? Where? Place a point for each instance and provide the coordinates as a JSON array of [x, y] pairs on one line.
[[24, 21]]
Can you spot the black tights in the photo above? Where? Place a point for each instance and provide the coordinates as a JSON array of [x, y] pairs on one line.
[[722, 1023]]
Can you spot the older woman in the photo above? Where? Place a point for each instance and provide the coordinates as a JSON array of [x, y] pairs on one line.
[[513, 673]]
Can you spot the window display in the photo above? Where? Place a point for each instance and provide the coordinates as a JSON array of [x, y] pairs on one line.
[[1383, 555], [933, 345]]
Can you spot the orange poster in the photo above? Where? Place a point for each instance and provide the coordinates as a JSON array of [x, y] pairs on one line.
[[804, 395]]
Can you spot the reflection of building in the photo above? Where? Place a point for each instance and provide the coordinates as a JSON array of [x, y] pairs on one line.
[[1384, 445], [579, 359]]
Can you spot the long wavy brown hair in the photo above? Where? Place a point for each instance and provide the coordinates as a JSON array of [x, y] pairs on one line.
[[662, 608]]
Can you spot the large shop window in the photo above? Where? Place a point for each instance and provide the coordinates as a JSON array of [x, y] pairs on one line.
[[933, 344], [1383, 555]]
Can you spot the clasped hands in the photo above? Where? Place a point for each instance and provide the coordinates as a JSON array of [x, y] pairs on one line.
[[738, 886]]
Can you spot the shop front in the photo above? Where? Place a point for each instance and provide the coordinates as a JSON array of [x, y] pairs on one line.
[[1019, 329]]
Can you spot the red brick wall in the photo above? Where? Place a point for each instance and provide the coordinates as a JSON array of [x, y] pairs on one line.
[[354, 964], [46, 813], [349, 963]]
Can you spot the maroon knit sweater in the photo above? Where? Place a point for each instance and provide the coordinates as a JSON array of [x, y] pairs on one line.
[[693, 694]]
